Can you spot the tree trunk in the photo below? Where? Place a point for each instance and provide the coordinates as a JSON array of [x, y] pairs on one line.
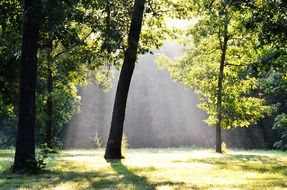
[[113, 149], [25, 144], [219, 93], [49, 124]]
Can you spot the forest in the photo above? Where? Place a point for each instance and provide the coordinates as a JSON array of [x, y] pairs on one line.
[[124, 94]]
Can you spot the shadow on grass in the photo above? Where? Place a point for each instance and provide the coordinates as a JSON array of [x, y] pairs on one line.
[[259, 163], [49, 179], [136, 182], [256, 163], [262, 171], [121, 178]]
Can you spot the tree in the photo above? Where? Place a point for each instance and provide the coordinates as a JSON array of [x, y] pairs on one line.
[[268, 18], [215, 65], [10, 40], [56, 37], [274, 86], [71, 55], [113, 149], [25, 145], [33, 22]]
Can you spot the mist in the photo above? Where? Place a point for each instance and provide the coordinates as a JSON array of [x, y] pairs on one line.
[[159, 113]]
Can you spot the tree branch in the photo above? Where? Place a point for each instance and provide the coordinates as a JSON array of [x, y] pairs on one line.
[[65, 50], [230, 64]]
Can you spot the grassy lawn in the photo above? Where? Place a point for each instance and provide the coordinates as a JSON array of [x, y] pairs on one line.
[[154, 169]]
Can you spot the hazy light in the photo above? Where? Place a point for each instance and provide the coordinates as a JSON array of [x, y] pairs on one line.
[[160, 112], [180, 23]]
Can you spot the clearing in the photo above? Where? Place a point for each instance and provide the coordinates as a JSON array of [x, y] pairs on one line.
[[175, 168]]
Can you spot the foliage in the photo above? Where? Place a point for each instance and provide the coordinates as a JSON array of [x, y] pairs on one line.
[[281, 124], [198, 67], [125, 144], [7, 125], [79, 42], [97, 141], [269, 20], [42, 158], [83, 41], [10, 40], [274, 86], [44, 155], [224, 147], [66, 103]]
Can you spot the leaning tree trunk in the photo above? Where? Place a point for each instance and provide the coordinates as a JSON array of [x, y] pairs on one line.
[[219, 93], [49, 124], [113, 149], [25, 144]]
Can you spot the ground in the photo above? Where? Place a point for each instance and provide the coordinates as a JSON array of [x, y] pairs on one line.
[[154, 169]]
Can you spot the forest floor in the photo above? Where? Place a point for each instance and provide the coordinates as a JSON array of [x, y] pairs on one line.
[[175, 168]]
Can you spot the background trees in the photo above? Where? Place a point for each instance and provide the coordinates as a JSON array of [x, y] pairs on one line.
[[10, 45], [235, 61], [269, 20], [216, 66]]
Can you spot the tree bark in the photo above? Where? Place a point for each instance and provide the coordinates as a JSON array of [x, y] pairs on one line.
[[219, 93], [25, 143], [113, 149], [49, 124]]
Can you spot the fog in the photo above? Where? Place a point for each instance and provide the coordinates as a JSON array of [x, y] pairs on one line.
[[159, 113]]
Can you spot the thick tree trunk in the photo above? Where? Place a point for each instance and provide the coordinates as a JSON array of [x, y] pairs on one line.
[[25, 144], [49, 124], [219, 93], [113, 149]]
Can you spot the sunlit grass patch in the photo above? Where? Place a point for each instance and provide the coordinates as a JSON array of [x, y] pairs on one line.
[[155, 169], [6, 157]]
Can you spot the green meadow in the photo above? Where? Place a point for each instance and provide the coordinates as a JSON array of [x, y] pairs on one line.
[[177, 168]]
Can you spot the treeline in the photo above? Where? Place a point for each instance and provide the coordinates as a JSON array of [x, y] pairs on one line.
[[236, 63], [53, 46], [235, 60]]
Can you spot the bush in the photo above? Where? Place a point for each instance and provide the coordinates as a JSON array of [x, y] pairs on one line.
[[224, 147], [124, 144], [97, 141]]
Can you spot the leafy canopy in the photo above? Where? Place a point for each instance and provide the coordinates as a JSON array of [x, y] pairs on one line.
[[198, 67]]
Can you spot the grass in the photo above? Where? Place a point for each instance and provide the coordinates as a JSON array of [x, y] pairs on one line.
[[154, 169]]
